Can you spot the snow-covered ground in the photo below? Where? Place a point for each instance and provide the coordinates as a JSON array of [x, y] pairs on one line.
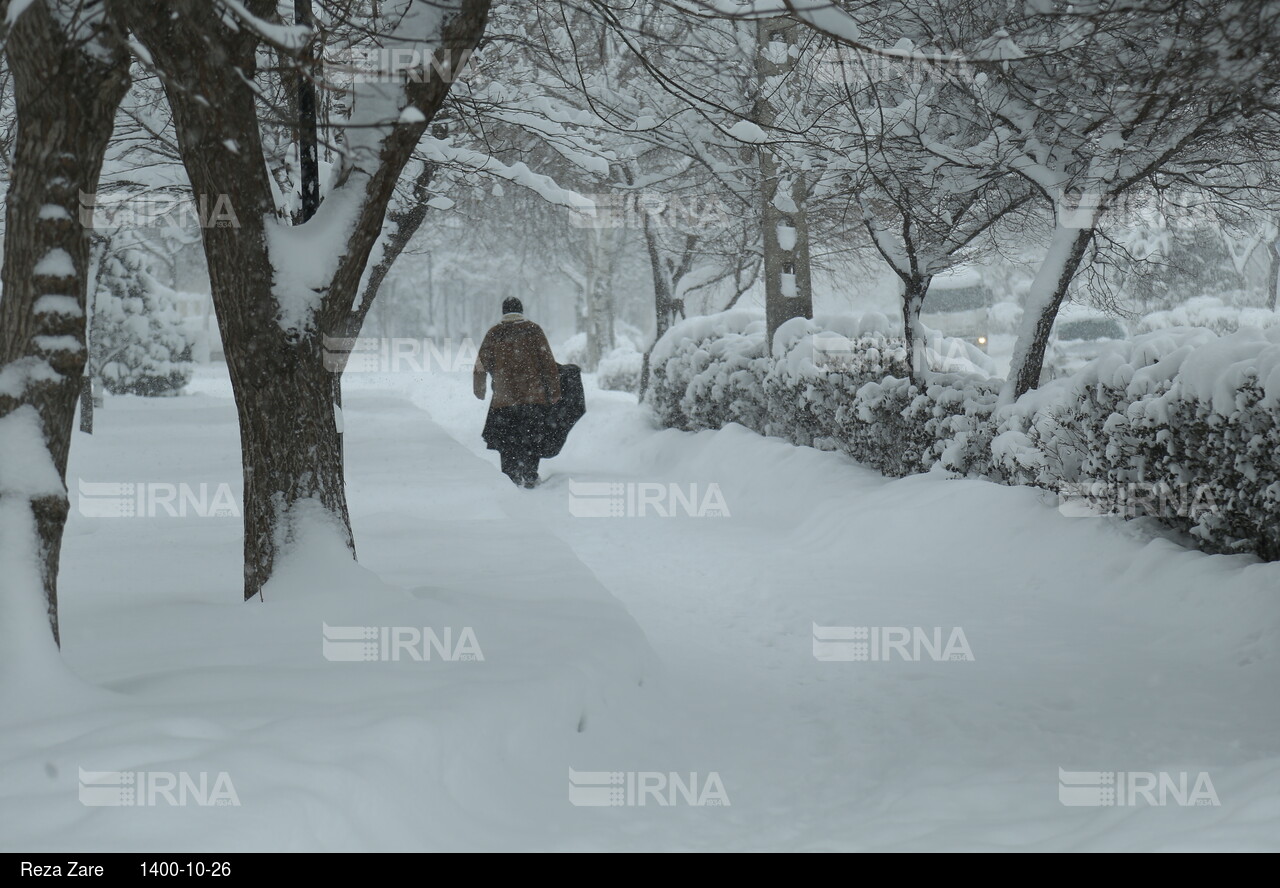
[[645, 645]]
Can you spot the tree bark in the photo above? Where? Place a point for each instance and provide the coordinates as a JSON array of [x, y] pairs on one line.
[[1273, 275], [916, 287], [602, 253], [86, 404], [1067, 249], [308, 156], [285, 394], [66, 91], [788, 291]]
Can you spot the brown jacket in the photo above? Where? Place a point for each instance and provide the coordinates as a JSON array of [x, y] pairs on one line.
[[518, 357]]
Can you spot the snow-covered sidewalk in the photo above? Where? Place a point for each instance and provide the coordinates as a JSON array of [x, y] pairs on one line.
[[1096, 646]]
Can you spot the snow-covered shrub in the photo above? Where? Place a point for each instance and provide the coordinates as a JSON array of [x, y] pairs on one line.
[[1180, 425], [705, 372], [614, 369], [834, 383], [1210, 313], [574, 350], [138, 342], [1184, 427], [619, 370]]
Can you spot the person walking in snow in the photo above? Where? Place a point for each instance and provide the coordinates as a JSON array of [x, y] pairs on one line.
[[526, 381]]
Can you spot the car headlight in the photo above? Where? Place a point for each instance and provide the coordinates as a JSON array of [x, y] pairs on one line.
[[982, 340]]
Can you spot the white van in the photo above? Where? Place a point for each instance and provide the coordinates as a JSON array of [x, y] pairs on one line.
[[958, 304]]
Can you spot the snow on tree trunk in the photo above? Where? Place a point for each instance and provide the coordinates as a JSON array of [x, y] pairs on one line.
[[1067, 248], [283, 484], [788, 291], [1273, 276], [602, 255], [279, 290], [67, 88], [916, 287]]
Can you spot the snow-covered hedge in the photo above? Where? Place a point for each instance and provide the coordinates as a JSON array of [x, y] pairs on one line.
[[1211, 313], [1180, 425]]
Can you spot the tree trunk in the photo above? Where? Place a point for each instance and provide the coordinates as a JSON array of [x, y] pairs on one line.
[[663, 303], [66, 92], [1067, 249], [86, 404], [290, 448], [308, 157], [283, 484], [916, 287], [1273, 276], [602, 254], [788, 291], [285, 394]]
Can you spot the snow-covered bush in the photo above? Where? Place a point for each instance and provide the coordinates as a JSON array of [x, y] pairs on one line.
[[834, 383], [573, 350], [1181, 425], [706, 371], [138, 342], [1210, 313], [620, 370]]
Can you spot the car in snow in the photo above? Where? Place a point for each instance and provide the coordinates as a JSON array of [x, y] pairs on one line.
[[1080, 334], [958, 305]]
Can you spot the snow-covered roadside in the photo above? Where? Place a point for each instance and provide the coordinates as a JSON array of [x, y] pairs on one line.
[[1096, 645]]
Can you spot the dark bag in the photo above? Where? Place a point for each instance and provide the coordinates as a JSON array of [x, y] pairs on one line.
[[563, 414], [517, 429]]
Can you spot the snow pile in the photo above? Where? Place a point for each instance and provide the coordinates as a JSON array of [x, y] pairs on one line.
[[1179, 425]]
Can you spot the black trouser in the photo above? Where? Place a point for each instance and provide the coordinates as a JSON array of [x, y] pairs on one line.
[[520, 466]]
